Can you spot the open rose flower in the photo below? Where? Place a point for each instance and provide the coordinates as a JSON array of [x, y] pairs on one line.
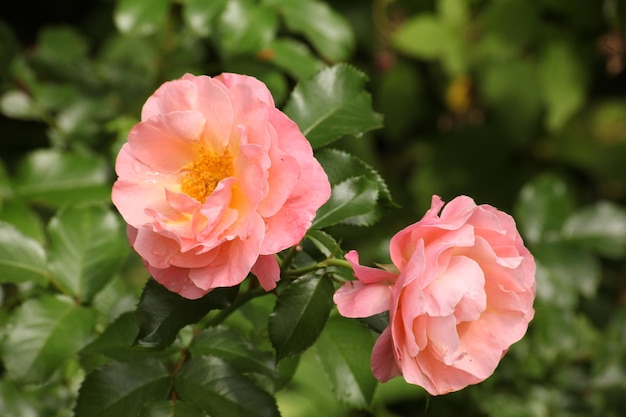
[[213, 182], [459, 293]]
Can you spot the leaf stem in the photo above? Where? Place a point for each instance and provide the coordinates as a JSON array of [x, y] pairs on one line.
[[289, 257], [342, 263]]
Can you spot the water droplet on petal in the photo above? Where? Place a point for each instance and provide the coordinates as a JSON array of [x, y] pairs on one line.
[[159, 250]]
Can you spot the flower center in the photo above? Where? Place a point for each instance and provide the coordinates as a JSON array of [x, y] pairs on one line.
[[202, 175]]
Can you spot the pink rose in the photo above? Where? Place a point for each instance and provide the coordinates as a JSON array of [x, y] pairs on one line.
[[213, 182], [459, 294]]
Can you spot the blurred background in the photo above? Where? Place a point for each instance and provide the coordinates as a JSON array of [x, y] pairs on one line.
[[520, 104]]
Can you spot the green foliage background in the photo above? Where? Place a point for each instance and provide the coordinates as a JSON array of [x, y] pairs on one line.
[[519, 104]]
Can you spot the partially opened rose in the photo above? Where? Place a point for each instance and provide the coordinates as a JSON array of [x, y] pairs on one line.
[[213, 181], [459, 293]]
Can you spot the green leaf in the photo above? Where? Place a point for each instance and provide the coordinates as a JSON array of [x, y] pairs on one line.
[[325, 29], [162, 313], [344, 351], [175, 408], [132, 65], [286, 370], [61, 46], [5, 186], [140, 17], [20, 215], [211, 384], [560, 334], [255, 314], [87, 245], [122, 389], [44, 332], [10, 47], [324, 242], [14, 401], [21, 68], [310, 393], [542, 207], [293, 57], [454, 12], [340, 166], [81, 121], [511, 25], [378, 322], [113, 344], [17, 104], [440, 37], [564, 272], [608, 363], [349, 200], [246, 27], [22, 259], [421, 36], [54, 178], [398, 89], [230, 346], [601, 227], [300, 314], [563, 81], [331, 105], [511, 91], [201, 15], [56, 97]]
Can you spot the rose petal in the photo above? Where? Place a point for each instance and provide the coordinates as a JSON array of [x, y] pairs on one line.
[[213, 101], [284, 173], [138, 182], [355, 299], [436, 377], [384, 366], [267, 271], [155, 248], [412, 370], [410, 308], [457, 212], [251, 116], [167, 142], [251, 166], [177, 280], [366, 274], [463, 279], [177, 95], [311, 190], [233, 261], [214, 220], [261, 92], [483, 346], [443, 340], [197, 257]]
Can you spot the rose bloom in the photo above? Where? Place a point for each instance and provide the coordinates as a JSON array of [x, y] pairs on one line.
[[213, 182], [459, 293]]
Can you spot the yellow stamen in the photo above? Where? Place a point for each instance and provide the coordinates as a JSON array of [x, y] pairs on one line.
[[202, 175]]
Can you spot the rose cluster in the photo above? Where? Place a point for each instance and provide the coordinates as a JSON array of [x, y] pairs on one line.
[[215, 180]]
